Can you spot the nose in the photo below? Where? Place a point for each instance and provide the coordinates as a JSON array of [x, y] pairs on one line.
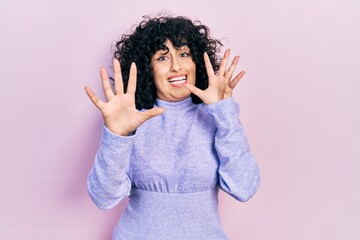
[[175, 64]]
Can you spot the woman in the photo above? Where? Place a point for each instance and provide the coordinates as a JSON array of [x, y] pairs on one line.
[[172, 135]]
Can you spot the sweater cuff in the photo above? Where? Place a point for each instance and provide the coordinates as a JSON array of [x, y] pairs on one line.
[[113, 140], [225, 112]]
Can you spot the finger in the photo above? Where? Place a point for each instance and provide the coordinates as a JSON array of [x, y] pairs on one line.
[[197, 91], [97, 102], [224, 62], [152, 113], [236, 80], [106, 84], [208, 66], [119, 87], [232, 67], [132, 79]]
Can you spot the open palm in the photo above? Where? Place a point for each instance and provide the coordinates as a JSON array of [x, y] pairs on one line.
[[220, 85], [119, 110]]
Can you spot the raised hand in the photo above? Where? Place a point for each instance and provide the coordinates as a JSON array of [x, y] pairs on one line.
[[220, 85], [119, 110]]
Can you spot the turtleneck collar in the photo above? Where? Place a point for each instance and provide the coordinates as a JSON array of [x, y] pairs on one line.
[[186, 103]]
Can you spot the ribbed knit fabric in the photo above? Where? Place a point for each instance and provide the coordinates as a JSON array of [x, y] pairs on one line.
[[172, 168]]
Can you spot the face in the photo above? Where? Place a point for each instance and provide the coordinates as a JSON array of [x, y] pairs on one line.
[[171, 70]]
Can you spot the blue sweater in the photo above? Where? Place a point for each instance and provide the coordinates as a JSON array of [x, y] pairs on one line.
[[172, 168]]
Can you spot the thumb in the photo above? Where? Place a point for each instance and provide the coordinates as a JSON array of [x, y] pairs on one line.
[[197, 91], [152, 113]]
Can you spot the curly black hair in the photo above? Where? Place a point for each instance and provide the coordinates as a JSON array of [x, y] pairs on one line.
[[150, 36]]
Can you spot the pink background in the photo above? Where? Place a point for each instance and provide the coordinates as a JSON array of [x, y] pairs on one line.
[[300, 108]]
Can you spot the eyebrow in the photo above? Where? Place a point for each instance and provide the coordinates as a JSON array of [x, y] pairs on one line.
[[166, 51]]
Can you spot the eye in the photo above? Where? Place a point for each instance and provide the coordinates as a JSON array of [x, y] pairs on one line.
[[162, 58], [184, 54]]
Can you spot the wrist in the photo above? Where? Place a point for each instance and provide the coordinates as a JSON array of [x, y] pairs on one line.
[[117, 131]]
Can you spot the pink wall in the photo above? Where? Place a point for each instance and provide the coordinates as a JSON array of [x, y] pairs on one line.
[[299, 98]]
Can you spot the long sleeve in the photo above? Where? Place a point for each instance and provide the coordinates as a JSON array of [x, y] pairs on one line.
[[108, 182], [239, 174]]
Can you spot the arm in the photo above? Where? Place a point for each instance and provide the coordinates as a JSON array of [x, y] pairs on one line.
[[238, 172], [108, 182]]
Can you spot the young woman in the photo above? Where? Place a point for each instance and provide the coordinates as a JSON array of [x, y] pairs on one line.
[[172, 135]]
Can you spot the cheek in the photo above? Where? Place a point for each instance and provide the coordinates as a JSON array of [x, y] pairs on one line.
[[192, 65], [193, 69], [158, 77]]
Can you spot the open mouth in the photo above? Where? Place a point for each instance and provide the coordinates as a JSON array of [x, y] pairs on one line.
[[178, 81]]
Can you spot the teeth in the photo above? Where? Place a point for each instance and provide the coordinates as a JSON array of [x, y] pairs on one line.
[[177, 79], [178, 82]]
